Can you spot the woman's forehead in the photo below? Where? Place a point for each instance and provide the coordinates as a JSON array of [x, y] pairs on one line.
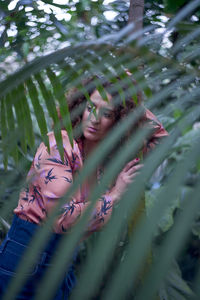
[[97, 100]]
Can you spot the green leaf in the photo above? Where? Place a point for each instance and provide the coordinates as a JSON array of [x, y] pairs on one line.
[[177, 113], [167, 220], [173, 6], [174, 287], [51, 107], [19, 110], [63, 106], [27, 117], [4, 130], [48, 98], [11, 127], [39, 114], [148, 92]]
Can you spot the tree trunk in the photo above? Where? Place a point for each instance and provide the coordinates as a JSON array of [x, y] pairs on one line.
[[136, 11]]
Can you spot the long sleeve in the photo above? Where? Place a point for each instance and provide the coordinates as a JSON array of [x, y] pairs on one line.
[[72, 211], [58, 178], [50, 179]]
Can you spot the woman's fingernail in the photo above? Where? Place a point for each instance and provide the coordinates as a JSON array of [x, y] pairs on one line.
[[137, 159]]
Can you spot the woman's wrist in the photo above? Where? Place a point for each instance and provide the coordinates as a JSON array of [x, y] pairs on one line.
[[115, 195]]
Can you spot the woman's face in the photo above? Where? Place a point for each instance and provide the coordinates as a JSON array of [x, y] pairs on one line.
[[96, 127]]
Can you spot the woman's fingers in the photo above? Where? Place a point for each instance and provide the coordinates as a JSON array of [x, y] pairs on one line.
[[131, 177], [134, 169], [131, 164]]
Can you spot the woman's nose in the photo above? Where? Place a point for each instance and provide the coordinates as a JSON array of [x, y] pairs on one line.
[[95, 117]]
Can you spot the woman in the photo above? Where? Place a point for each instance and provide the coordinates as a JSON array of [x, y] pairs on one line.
[[50, 178]]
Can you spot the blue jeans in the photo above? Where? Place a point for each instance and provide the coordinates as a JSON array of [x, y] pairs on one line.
[[11, 251]]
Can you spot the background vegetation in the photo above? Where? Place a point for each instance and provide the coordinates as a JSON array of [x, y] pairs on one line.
[[48, 47]]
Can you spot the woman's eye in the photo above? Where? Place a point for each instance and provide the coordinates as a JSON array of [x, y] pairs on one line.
[[89, 107], [107, 115]]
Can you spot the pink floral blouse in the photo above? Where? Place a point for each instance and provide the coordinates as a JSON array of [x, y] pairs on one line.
[[50, 178]]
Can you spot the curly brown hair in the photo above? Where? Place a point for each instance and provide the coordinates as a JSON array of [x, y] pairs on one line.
[[120, 90]]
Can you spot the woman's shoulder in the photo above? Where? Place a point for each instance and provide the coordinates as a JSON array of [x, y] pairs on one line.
[[67, 144], [71, 148], [43, 155]]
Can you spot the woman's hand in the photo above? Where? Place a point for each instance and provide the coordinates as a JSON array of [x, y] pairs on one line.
[[125, 177]]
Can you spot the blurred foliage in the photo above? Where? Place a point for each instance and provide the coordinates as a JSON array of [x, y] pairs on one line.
[[174, 287], [31, 28], [169, 57]]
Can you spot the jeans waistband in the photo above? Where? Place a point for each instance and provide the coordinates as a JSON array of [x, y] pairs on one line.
[[23, 231]]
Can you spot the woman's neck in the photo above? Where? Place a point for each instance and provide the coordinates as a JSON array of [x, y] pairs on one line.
[[88, 147]]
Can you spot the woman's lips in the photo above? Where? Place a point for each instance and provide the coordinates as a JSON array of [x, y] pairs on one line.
[[92, 129]]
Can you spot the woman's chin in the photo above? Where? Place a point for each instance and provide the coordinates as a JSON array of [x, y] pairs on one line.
[[90, 136]]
